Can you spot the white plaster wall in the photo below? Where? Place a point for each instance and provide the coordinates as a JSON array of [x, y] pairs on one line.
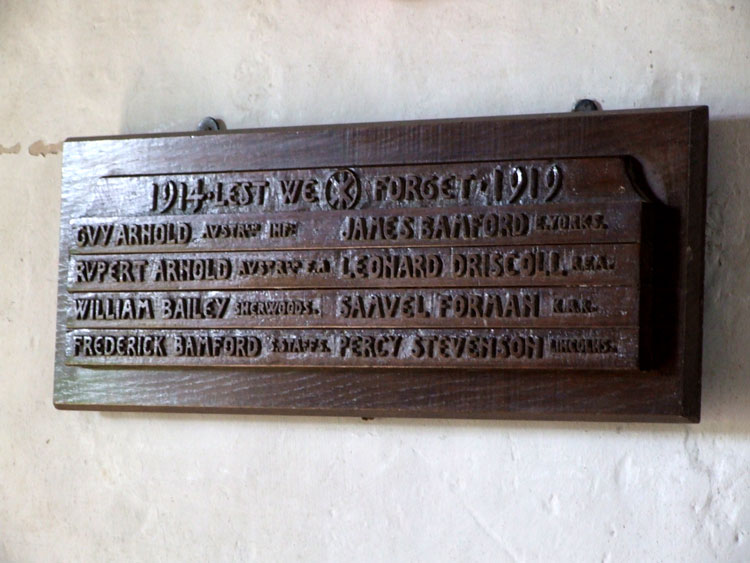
[[142, 487]]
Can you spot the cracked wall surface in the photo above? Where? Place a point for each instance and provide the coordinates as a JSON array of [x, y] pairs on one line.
[[87, 486]]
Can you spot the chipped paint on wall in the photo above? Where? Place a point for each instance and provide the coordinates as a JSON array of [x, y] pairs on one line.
[[41, 148]]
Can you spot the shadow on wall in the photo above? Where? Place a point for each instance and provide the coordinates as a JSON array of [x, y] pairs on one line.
[[726, 342], [726, 325]]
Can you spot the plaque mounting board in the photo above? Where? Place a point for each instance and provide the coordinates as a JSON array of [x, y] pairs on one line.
[[537, 267]]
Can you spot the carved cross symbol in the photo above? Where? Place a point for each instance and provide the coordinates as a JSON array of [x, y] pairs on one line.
[[343, 189]]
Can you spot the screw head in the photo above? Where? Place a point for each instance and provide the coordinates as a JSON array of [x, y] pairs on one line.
[[586, 104], [209, 124]]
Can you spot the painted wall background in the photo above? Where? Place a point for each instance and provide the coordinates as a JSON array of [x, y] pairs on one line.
[[143, 487]]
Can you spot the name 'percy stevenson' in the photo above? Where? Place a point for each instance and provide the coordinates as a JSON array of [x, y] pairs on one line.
[[274, 346]]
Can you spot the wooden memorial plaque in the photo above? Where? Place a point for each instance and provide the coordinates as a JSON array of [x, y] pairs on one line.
[[545, 267]]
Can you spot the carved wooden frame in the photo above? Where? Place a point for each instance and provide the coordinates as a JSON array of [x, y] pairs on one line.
[[666, 151]]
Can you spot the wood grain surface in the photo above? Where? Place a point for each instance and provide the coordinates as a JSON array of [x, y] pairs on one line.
[[567, 250]]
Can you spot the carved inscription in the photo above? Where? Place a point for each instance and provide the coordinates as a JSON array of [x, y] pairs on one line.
[[346, 188], [508, 225], [485, 307], [484, 264], [473, 184], [435, 267], [535, 267], [544, 348]]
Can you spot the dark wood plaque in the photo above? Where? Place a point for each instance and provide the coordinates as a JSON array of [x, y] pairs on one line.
[[545, 267]]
